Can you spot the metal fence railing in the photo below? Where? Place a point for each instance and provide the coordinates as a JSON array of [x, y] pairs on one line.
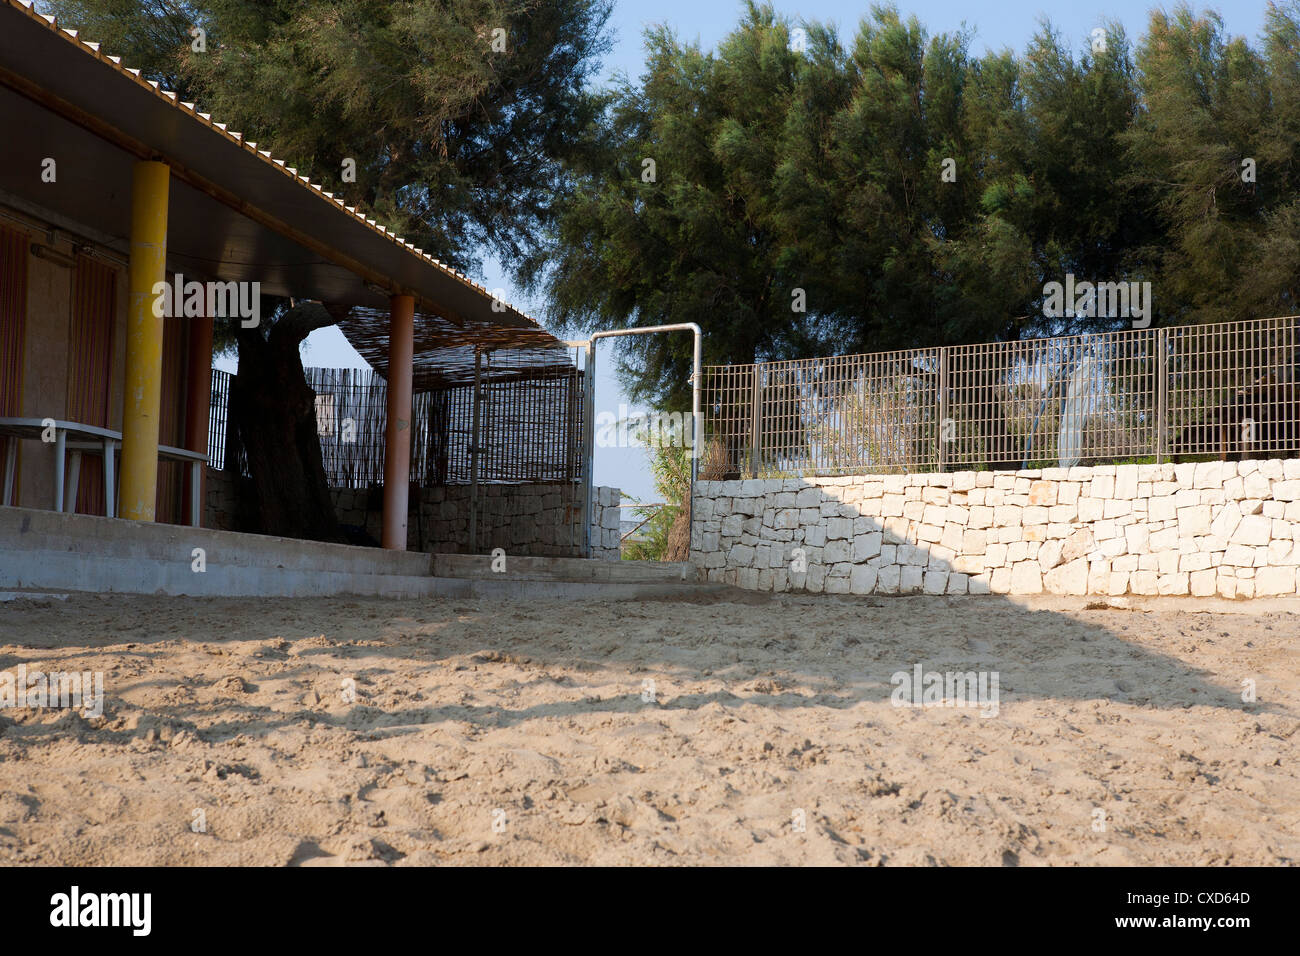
[[1226, 390], [217, 406]]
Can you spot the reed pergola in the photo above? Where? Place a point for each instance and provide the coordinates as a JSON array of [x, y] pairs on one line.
[[445, 350]]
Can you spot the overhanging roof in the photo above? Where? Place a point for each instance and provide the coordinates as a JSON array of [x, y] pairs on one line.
[[236, 213]]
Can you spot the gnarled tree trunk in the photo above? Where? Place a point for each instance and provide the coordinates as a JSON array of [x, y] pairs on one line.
[[274, 411]]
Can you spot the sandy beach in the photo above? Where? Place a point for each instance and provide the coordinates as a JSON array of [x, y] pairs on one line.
[[742, 730]]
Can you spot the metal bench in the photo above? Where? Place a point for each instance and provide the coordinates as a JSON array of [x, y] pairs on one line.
[[77, 438]]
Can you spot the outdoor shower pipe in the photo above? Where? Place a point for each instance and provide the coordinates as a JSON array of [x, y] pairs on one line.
[[696, 429], [695, 374]]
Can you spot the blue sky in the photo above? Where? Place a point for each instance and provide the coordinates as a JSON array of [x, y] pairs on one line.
[[995, 26]]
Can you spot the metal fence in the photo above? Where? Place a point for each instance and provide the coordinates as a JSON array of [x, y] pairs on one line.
[[218, 406], [1226, 390]]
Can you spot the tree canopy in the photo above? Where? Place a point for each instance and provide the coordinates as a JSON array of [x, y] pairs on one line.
[[799, 194], [455, 115], [795, 192]]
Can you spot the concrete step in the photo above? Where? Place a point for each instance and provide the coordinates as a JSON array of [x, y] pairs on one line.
[[33, 596], [30, 529], [517, 590], [479, 567]]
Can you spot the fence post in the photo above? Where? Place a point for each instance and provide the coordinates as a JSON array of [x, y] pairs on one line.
[[572, 465], [756, 420], [230, 457], [943, 408], [588, 444], [474, 453], [1162, 395]]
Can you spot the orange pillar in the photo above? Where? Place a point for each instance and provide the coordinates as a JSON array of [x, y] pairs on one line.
[[397, 431], [198, 376]]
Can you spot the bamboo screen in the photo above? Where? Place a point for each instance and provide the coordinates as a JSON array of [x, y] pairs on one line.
[[529, 426]]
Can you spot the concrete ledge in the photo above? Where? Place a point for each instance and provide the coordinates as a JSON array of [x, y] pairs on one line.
[[519, 568], [24, 529], [43, 552]]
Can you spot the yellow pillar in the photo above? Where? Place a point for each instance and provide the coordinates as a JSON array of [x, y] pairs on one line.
[[138, 489]]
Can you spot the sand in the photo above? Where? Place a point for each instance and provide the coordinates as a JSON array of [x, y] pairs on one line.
[[491, 732]]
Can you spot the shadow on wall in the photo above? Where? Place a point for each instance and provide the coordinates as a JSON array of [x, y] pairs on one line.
[[1201, 529]]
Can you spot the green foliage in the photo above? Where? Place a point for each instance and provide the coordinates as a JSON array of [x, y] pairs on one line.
[[149, 35], [457, 147], [780, 175], [655, 543], [821, 170], [670, 469], [1229, 248]]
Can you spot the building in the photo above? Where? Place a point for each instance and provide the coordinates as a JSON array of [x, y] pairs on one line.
[[110, 185]]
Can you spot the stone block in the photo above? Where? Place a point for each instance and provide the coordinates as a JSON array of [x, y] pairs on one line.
[[1173, 584], [1069, 578], [1254, 530], [1026, 578], [936, 582], [862, 579], [888, 579], [867, 545], [1275, 580], [1203, 583]]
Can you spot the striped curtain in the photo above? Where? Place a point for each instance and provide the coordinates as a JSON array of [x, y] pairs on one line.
[[90, 365], [13, 326], [171, 420]]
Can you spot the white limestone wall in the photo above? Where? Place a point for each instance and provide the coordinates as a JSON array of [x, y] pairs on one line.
[[606, 523], [1217, 528]]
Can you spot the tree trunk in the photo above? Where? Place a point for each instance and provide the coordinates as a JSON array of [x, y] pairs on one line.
[[274, 411]]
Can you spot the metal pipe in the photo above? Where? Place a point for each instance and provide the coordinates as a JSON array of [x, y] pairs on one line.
[[198, 410], [474, 452], [588, 443], [696, 423]]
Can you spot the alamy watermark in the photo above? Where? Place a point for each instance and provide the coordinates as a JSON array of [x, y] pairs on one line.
[[1098, 300], [128, 910], [920, 688], [643, 429], [65, 689], [218, 300]]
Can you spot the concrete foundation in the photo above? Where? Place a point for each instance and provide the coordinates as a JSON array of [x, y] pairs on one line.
[[43, 552]]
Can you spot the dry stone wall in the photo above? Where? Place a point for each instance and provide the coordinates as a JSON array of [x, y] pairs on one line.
[[1230, 529]]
